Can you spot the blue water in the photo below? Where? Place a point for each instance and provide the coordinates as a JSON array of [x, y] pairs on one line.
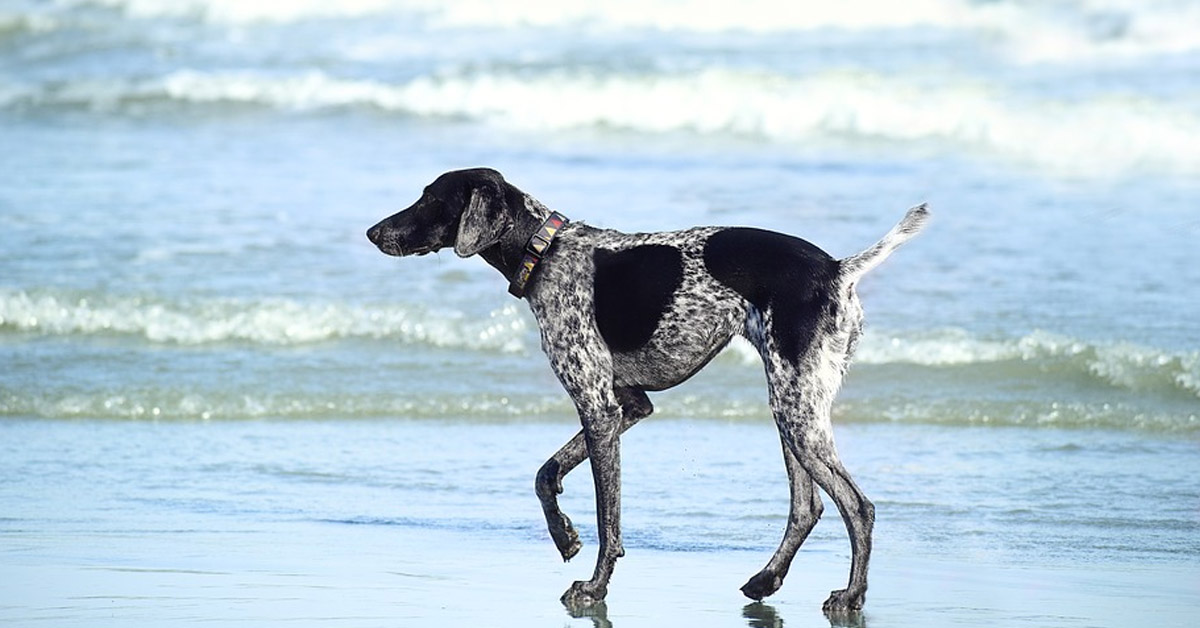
[[184, 188]]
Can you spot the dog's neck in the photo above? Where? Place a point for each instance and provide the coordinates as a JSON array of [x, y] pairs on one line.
[[505, 256]]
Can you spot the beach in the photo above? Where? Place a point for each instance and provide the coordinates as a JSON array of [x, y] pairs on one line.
[[359, 581], [219, 403], [385, 523]]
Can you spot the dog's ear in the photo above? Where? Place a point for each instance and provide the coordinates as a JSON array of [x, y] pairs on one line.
[[484, 220]]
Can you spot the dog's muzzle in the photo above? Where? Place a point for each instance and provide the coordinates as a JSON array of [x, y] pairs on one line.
[[374, 233]]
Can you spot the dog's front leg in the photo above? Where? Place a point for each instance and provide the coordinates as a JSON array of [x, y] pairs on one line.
[[549, 485], [601, 431], [583, 364], [635, 406]]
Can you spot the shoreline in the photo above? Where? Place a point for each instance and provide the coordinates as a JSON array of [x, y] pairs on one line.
[[415, 523], [334, 574]]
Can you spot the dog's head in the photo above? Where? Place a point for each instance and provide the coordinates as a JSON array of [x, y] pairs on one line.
[[466, 209]]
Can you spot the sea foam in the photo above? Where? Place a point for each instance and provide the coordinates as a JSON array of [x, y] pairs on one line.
[[270, 321], [1062, 32], [1116, 363], [1100, 136]]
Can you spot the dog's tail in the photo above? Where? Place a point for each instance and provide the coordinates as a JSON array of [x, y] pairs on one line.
[[856, 266]]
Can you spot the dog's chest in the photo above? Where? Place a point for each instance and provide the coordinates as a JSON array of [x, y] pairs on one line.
[[657, 311], [633, 288]]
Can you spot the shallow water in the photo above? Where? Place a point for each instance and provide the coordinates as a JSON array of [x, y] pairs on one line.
[[1012, 495], [386, 522], [196, 337]]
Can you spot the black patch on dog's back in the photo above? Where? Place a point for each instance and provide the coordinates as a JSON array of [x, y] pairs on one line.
[[786, 275], [633, 289]]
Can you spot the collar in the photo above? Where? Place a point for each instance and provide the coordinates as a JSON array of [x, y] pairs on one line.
[[535, 249]]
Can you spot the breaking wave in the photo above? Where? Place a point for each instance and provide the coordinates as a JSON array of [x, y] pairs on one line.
[[1099, 136], [171, 55], [1039, 379], [1067, 31], [1117, 364], [752, 16], [274, 321], [490, 406]]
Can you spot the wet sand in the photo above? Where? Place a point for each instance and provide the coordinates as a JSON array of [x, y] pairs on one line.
[[338, 574]]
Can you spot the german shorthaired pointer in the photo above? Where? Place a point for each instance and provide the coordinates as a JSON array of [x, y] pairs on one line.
[[622, 314]]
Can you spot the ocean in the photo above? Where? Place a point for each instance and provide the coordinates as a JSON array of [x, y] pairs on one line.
[[202, 355]]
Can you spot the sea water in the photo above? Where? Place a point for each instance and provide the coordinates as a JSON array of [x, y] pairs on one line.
[[187, 295]]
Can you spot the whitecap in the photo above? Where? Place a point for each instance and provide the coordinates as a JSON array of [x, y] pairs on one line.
[[1101, 136], [267, 321]]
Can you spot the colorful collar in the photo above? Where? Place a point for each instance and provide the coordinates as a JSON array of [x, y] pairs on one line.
[[537, 246]]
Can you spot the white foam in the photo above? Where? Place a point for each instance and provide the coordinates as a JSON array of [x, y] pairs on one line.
[[1120, 364], [1094, 30], [701, 16], [1105, 135], [1099, 137], [1029, 31], [268, 321], [247, 11], [942, 347], [706, 16], [305, 91]]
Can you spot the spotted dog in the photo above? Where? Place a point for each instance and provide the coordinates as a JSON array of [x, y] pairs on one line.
[[623, 314]]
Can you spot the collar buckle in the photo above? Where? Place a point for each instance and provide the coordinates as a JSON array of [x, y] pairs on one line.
[[535, 249]]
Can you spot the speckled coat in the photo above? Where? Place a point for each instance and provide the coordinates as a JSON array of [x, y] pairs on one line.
[[623, 314]]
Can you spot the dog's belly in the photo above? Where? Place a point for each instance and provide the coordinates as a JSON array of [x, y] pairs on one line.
[[652, 368], [675, 352]]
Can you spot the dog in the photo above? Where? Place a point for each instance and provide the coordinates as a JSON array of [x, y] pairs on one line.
[[624, 314]]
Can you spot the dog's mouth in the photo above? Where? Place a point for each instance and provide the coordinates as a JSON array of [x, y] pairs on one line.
[[395, 250]]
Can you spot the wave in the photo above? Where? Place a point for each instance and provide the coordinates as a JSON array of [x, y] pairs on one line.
[[243, 12], [1099, 136], [757, 16], [1028, 31], [554, 406], [275, 321], [946, 376], [1089, 30], [188, 405], [1094, 31], [1116, 365], [1027, 413]]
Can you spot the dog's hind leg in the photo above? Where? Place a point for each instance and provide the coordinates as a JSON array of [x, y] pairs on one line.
[[806, 508], [801, 394], [635, 406], [811, 439]]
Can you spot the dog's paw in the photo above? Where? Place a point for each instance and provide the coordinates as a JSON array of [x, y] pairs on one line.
[[844, 601], [571, 549], [583, 594], [761, 585], [566, 539]]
